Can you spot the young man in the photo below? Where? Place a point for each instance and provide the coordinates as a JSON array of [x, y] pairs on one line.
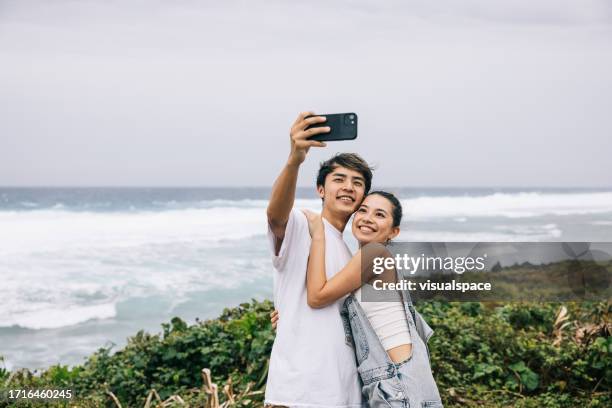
[[311, 366]]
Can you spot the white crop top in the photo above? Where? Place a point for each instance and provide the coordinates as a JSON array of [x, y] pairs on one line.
[[388, 319]]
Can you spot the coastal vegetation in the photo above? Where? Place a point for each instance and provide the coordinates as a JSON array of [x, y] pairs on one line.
[[483, 354]]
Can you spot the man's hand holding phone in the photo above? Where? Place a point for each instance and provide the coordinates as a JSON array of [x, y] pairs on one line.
[[299, 136]]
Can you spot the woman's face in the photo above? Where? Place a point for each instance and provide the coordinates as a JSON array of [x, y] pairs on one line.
[[373, 221]]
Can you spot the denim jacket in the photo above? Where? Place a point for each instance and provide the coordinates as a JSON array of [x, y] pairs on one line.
[[384, 383]]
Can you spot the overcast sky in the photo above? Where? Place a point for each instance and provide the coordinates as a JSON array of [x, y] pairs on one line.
[[448, 93]]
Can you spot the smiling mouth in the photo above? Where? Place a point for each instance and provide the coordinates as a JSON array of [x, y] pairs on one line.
[[346, 199], [365, 229]]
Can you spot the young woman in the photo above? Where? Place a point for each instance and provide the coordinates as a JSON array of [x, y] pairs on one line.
[[388, 335]]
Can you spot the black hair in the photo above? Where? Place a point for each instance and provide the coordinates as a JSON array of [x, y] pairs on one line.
[[349, 160]]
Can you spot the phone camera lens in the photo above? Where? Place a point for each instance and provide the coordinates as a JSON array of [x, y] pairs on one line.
[[350, 119]]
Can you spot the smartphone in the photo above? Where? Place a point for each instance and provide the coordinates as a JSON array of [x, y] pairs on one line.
[[343, 127]]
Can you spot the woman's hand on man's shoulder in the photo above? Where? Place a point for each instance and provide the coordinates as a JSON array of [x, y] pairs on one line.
[[315, 224]]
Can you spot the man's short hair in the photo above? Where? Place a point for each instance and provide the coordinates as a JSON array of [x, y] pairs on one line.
[[349, 160]]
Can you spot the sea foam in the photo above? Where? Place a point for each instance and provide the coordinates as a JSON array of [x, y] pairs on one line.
[[51, 317], [60, 267], [510, 205]]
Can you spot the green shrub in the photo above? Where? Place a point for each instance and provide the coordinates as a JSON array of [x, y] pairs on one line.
[[483, 354]]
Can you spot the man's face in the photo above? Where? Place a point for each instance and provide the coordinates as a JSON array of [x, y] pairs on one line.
[[343, 191]]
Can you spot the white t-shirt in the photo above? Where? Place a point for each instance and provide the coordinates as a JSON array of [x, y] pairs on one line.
[[311, 365]]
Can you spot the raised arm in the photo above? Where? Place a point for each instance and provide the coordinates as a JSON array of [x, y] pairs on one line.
[[321, 291], [283, 190]]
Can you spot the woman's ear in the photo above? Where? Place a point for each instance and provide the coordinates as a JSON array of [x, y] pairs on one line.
[[394, 233]]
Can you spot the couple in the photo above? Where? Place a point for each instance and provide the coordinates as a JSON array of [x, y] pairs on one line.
[[312, 365]]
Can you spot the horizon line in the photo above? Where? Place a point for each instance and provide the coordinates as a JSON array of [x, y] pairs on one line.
[[308, 186]]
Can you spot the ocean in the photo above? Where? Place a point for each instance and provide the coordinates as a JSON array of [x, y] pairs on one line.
[[83, 268]]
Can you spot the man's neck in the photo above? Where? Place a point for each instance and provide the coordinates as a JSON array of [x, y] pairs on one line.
[[336, 220]]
